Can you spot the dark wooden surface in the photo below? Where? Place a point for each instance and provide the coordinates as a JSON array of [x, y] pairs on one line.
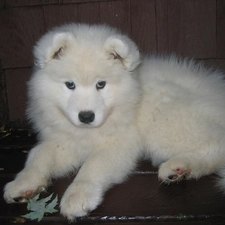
[[190, 28], [140, 199]]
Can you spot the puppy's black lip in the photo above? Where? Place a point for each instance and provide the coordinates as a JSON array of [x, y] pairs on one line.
[[18, 199]]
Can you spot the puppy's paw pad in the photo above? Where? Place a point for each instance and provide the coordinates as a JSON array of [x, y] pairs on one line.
[[174, 171], [179, 174], [180, 171]]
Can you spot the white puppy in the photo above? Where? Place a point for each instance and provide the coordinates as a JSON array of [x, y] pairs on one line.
[[98, 112]]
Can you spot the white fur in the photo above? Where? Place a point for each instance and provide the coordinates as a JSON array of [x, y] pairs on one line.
[[169, 110]]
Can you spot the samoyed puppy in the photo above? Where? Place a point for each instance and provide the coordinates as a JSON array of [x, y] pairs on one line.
[[98, 109]]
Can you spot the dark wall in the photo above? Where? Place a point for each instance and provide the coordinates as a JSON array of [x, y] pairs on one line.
[[192, 28]]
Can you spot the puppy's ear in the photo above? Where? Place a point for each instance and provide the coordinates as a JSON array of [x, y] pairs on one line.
[[51, 46], [123, 49]]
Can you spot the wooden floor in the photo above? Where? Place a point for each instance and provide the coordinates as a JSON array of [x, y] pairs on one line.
[[139, 200]]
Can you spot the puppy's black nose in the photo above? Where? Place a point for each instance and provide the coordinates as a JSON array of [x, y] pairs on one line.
[[86, 116]]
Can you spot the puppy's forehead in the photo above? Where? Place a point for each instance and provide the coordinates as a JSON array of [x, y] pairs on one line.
[[89, 52], [86, 65]]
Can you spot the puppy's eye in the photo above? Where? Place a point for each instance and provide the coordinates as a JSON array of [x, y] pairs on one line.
[[100, 85], [70, 85]]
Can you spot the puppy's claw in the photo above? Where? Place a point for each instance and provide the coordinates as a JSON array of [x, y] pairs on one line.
[[19, 199], [172, 177]]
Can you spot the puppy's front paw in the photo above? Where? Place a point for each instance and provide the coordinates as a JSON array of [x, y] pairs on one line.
[[174, 171], [19, 190], [78, 201]]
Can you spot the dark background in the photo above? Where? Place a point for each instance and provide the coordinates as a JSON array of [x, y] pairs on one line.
[[190, 28]]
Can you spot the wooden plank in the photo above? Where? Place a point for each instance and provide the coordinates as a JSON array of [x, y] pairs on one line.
[[24, 3], [84, 1], [19, 3], [220, 28], [116, 14], [3, 99], [56, 15], [158, 200], [2, 4], [144, 25], [141, 196], [141, 199], [162, 27], [11, 157], [16, 80], [89, 13], [20, 28], [191, 27]]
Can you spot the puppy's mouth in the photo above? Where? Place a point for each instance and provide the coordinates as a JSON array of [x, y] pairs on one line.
[[91, 125]]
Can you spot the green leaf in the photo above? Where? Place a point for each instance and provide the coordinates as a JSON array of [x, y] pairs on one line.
[[50, 207], [35, 198], [40, 207], [44, 200], [32, 201], [34, 216]]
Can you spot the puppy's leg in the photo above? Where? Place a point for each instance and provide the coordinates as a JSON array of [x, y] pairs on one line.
[[44, 161], [188, 166], [96, 175]]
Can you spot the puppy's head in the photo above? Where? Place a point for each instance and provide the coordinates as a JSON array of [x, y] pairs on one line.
[[83, 73]]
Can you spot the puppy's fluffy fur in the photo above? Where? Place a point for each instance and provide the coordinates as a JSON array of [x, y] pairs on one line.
[[97, 110]]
